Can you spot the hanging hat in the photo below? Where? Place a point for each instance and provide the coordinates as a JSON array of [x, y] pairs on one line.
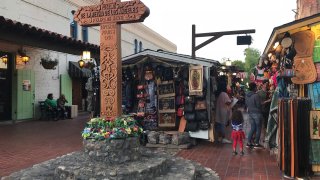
[[286, 42]]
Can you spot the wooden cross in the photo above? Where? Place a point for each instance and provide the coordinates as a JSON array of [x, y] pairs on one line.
[[109, 14]]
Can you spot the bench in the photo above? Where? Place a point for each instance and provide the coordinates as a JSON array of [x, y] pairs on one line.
[[45, 112]]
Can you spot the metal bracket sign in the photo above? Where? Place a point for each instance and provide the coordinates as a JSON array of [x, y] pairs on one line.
[[109, 14], [215, 36]]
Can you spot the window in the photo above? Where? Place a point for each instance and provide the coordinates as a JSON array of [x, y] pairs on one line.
[[140, 46], [84, 34], [135, 46], [74, 29]]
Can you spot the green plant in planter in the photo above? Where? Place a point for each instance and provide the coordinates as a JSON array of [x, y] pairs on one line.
[[119, 128], [49, 63]]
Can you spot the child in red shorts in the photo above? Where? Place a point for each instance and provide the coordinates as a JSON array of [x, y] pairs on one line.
[[237, 134]]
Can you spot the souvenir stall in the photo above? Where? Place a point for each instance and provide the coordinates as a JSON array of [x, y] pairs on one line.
[[168, 91], [291, 58]]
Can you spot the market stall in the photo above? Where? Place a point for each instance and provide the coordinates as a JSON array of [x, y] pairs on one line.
[[169, 91], [292, 57]]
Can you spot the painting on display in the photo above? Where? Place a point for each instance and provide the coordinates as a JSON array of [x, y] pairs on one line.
[[314, 95], [195, 80], [166, 105], [167, 119], [166, 89], [315, 124]]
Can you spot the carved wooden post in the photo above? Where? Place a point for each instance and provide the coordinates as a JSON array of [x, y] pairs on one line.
[[109, 14]]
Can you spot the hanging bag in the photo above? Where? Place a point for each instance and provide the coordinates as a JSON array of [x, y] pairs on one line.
[[200, 105], [204, 125], [180, 97]]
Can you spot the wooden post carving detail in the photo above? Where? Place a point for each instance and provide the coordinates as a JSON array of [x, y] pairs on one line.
[[109, 14]]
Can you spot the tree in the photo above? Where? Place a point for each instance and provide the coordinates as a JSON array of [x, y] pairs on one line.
[[239, 64], [251, 59]]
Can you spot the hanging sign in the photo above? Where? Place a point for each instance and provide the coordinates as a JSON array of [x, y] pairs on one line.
[[26, 85]]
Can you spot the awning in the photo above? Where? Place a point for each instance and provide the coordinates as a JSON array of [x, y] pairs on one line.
[[166, 57], [76, 72], [292, 27]]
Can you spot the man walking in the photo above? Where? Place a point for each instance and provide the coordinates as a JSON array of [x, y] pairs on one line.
[[253, 104]]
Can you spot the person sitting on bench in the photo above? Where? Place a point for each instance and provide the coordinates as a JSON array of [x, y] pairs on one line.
[[51, 106], [61, 101]]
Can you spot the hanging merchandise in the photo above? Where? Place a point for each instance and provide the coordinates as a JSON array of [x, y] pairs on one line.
[[317, 65], [252, 77], [294, 137], [141, 93], [305, 71], [150, 119], [303, 43], [180, 98], [167, 104], [195, 80], [168, 74], [259, 74], [315, 124]]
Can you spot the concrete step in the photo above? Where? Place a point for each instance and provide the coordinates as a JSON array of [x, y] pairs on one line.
[[179, 169], [204, 173]]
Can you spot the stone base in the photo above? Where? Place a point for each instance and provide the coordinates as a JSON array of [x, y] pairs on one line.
[[113, 151], [169, 146], [83, 168], [151, 165]]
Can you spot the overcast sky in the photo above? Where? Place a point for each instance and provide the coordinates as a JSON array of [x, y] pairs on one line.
[[173, 20]]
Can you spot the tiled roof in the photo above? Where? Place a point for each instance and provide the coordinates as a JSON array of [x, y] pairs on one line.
[[51, 39]]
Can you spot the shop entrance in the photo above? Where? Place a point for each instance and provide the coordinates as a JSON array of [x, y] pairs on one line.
[[5, 85]]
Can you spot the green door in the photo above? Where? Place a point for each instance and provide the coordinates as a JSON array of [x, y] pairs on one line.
[[25, 94], [66, 87]]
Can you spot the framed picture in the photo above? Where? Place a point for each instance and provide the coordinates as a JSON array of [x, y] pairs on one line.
[[167, 120], [166, 89], [314, 95], [315, 124], [195, 80], [167, 105]]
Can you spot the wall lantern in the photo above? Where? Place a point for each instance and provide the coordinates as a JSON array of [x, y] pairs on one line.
[[4, 59], [87, 61], [276, 45], [23, 56], [86, 55], [25, 59], [81, 63]]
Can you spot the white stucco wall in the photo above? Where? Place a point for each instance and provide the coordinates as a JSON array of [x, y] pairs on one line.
[[55, 15]]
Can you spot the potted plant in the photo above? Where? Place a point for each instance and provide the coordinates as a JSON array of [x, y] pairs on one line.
[[48, 63], [89, 65], [112, 141], [119, 128]]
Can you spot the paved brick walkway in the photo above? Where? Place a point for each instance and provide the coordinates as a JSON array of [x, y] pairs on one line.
[[255, 164], [28, 143]]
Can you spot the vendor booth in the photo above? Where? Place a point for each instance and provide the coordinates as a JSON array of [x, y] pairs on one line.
[[170, 91], [291, 58]]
